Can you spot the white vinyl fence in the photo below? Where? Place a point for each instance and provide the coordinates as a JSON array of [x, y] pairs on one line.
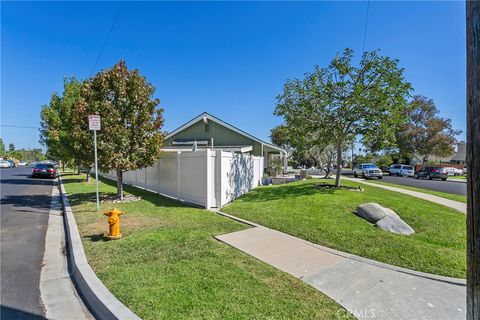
[[206, 178]]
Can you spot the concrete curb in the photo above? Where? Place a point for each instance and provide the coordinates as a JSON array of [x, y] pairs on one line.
[[95, 295], [457, 180], [455, 281]]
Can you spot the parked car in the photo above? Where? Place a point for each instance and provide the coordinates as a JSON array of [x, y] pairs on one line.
[[454, 171], [432, 173], [22, 163], [401, 170], [367, 170], [44, 170], [12, 163], [464, 169], [4, 164]]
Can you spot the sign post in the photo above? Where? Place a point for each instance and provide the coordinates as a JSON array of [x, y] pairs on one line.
[[94, 124]]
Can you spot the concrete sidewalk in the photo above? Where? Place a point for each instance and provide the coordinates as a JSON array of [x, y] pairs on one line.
[[57, 291], [364, 287], [459, 206]]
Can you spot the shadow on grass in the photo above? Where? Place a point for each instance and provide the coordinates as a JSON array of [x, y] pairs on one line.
[[66, 174], [156, 199], [286, 191], [76, 180], [96, 237], [79, 198]]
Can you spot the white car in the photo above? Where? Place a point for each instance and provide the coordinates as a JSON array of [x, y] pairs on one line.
[[367, 170], [22, 163], [401, 170], [5, 164], [454, 171]]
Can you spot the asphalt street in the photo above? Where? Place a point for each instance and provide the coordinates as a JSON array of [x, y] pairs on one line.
[[434, 185], [25, 207]]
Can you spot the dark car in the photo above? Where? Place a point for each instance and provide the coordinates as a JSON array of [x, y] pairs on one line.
[[432, 173], [44, 170]]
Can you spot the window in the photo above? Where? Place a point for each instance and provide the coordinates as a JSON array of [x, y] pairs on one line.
[[207, 128]]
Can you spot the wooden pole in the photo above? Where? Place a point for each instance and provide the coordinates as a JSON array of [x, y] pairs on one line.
[[473, 159]]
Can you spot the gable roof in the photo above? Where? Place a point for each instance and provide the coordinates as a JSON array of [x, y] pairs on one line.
[[222, 123]]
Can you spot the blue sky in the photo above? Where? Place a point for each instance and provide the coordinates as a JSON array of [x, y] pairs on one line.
[[230, 59]]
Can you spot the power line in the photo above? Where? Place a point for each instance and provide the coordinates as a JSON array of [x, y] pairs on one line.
[[366, 24], [15, 126], [108, 37]]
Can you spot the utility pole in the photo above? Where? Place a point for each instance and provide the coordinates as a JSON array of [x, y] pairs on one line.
[[473, 159]]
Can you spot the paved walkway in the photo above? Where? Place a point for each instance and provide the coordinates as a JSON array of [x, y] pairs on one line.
[[368, 289], [58, 293], [460, 206]]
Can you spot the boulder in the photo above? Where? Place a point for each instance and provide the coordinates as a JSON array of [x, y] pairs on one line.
[[390, 212], [393, 223], [384, 218], [372, 212]]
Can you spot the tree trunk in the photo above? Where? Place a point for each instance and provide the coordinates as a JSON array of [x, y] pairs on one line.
[[120, 184], [328, 166], [473, 160], [88, 174], [339, 168], [327, 171], [63, 166], [78, 170]]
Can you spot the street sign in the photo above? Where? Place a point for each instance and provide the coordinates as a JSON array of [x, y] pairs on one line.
[[94, 122]]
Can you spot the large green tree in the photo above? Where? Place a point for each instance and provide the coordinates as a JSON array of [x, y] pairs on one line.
[[280, 136], [56, 126], [425, 133], [334, 104], [34, 154], [2, 147], [131, 136]]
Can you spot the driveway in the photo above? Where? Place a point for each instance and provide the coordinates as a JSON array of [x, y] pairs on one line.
[[25, 205]]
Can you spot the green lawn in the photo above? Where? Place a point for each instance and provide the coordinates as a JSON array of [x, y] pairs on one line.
[[169, 266], [455, 197], [461, 178], [326, 217]]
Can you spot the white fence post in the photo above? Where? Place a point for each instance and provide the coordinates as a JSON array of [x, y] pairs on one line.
[[208, 172], [178, 175], [218, 178]]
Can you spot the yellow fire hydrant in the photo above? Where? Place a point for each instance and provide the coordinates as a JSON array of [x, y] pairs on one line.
[[114, 223]]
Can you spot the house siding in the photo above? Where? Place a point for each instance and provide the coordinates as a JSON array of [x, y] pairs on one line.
[[221, 135]]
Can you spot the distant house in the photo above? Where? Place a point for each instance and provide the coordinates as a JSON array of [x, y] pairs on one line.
[[208, 132], [458, 157]]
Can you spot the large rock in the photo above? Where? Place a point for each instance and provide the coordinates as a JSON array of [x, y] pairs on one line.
[[372, 212], [383, 218], [394, 224]]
